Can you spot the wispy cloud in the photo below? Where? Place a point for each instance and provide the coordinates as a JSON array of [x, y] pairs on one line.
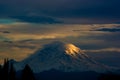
[[104, 50], [108, 29], [22, 31]]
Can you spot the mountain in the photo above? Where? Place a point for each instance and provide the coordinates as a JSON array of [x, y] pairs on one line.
[[63, 57]]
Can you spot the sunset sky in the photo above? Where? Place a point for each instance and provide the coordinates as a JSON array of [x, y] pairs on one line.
[[92, 25]]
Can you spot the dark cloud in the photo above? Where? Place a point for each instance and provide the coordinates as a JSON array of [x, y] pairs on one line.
[[109, 29], [90, 9], [37, 19]]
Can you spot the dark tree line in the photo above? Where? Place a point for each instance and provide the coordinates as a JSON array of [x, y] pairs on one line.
[[27, 74], [7, 72]]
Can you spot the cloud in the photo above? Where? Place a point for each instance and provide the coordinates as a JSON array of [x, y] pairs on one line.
[[37, 19], [3, 38], [29, 37], [109, 29], [104, 50], [25, 31], [103, 11], [16, 53]]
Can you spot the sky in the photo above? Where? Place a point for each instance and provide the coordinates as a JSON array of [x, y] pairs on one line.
[[61, 11], [92, 25]]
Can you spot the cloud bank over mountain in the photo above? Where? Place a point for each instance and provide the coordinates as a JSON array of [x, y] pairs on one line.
[[23, 39]]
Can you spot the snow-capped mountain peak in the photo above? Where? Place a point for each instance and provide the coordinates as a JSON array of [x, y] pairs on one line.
[[61, 47], [61, 56]]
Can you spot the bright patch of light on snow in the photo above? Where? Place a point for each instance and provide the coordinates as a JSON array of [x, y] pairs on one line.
[[71, 49]]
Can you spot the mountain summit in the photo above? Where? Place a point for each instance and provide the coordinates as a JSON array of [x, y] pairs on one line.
[[63, 57], [67, 49], [70, 49]]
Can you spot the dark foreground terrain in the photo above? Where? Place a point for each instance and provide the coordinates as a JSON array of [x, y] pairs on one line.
[[7, 72]]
